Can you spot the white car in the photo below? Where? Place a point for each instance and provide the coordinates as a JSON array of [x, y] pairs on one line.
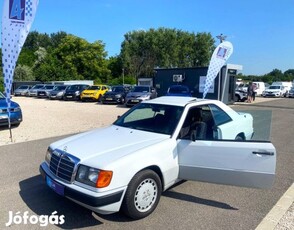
[[155, 144], [275, 91]]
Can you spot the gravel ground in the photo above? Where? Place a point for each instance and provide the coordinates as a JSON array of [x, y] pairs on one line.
[[43, 118]]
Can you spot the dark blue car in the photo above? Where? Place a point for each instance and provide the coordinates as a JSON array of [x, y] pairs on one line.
[[179, 90], [15, 112]]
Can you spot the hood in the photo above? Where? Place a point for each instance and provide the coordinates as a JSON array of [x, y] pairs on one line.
[[113, 93], [3, 104], [90, 90], [272, 90], [112, 142], [137, 94]]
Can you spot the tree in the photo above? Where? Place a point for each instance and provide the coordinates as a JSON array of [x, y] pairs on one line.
[[23, 73], [142, 51], [74, 59]]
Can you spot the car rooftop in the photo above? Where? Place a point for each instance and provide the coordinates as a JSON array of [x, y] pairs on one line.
[[174, 100]]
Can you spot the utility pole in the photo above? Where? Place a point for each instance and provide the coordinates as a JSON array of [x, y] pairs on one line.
[[221, 37]]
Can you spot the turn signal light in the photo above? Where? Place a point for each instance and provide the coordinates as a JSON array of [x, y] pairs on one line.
[[104, 179]]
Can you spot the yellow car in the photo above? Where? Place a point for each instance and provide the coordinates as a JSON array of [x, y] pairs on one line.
[[94, 93]]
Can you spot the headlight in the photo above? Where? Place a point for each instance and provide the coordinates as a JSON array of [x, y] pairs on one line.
[[77, 93], [59, 94], [93, 177], [145, 96], [17, 109], [48, 155]]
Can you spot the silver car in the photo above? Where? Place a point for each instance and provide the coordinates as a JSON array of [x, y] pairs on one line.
[[22, 90], [34, 90]]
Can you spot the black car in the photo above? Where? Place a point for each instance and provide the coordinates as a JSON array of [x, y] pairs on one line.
[[117, 95], [73, 92]]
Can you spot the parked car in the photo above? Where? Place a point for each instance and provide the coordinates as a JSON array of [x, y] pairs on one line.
[[291, 92], [240, 95], [15, 112], [34, 90], [73, 92], [94, 93], [158, 143], [22, 90], [57, 92], [43, 92], [275, 91], [179, 90], [140, 93], [117, 95]]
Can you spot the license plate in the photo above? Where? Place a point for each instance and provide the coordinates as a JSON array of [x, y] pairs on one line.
[[108, 99], [69, 96], [135, 100], [58, 188]]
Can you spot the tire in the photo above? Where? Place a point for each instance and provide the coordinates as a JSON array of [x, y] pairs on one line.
[[237, 98], [99, 98], [142, 195], [239, 138]]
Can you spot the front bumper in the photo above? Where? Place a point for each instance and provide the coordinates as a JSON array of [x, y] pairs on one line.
[[133, 101], [112, 100], [104, 203], [15, 118], [272, 94]]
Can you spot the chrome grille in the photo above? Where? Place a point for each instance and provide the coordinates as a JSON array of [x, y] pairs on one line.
[[63, 165]]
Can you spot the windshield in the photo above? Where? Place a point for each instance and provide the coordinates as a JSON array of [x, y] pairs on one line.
[[178, 89], [23, 87], [141, 89], [152, 118], [60, 87], [49, 86], [38, 86], [117, 89], [94, 87], [274, 87]]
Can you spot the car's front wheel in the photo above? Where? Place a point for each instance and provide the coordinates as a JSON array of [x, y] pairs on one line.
[[142, 195]]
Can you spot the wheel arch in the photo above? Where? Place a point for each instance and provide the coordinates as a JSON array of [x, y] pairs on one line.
[[157, 170], [242, 135]]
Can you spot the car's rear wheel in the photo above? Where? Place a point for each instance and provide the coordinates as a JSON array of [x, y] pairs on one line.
[[142, 195]]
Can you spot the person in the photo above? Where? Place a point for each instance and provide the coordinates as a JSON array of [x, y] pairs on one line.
[[254, 86], [249, 92]]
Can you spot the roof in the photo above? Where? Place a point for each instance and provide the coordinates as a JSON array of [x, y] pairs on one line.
[[173, 100]]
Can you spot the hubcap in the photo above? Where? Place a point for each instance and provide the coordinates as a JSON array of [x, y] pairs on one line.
[[145, 195]]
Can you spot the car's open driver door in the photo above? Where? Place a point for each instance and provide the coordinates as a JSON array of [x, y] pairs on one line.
[[249, 164]]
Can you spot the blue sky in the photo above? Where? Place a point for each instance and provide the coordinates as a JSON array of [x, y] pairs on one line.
[[262, 32]]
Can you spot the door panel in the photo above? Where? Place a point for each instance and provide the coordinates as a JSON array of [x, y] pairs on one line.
[[249, 164]]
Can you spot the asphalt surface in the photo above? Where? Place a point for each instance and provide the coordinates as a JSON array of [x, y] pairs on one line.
[[189, 205]]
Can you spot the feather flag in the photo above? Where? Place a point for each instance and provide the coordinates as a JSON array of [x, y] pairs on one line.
[[17, 18], [219, 57]]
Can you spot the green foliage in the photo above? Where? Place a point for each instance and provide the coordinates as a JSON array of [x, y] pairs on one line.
[[23, 73], [142, 51], [74, 59], [123, 80], [61, 56], [273, 76]]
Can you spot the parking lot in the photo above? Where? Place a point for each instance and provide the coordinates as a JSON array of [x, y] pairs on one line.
[[190, 205]]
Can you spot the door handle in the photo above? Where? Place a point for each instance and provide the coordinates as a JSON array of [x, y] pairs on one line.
[[263, 153]]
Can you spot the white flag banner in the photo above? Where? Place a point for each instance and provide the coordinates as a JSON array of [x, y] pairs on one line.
[[219, 57], [17, 19]]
